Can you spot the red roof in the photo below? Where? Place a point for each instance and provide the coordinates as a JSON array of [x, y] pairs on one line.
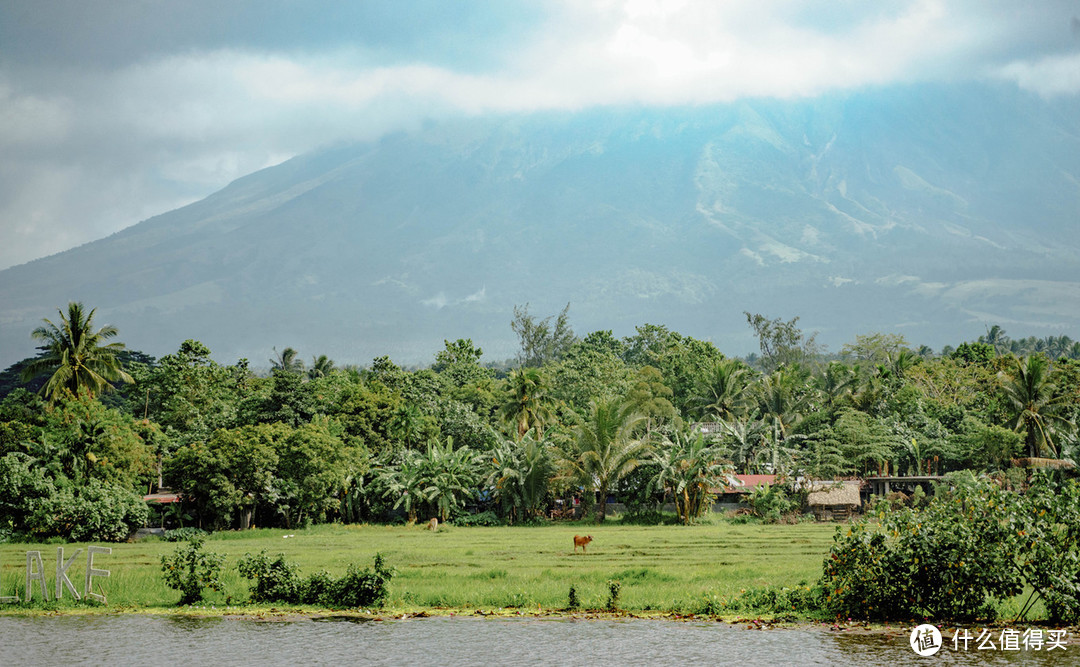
[[749, 483], [162, 498]]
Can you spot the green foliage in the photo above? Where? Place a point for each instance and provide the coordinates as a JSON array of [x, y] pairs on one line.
[[95, 512], [520, 474], [945, 562], [782, 343], [541, 340], [572, 601], [76, 357], [439, 480], [1048, 537], [785, 600], [974, 353], [688, 467], [605, 448], [614, 588], [771, 502], [485, 518], [363, 588], [275, 579], [683, 361], [191, 570], [185, 534]]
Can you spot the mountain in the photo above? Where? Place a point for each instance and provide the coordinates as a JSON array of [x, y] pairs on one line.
[[929, 211]]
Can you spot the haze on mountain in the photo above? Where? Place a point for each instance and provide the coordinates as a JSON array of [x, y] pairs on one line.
[[908, 168]]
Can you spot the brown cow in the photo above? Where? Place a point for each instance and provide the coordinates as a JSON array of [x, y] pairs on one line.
[[433, 524], [581, 541]]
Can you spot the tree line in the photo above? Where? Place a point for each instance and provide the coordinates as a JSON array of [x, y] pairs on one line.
[[650, 418]]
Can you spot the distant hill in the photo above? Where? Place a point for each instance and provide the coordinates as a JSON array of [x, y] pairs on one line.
[[929, 211]]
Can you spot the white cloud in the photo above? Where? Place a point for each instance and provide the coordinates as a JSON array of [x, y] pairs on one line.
[[1049, 77], [88, 149]]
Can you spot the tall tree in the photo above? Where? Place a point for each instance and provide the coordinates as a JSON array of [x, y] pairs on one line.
[[527, 406], [542, 341], [75, 355], [723, 393], [782, 343], [605, 449], [321, 366], [287, 360], [1036, 409], [690, 468]]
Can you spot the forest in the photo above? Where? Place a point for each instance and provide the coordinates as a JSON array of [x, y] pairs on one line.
[[88, 427]]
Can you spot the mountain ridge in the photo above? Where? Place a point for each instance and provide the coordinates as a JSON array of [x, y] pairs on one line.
[[928, 211]]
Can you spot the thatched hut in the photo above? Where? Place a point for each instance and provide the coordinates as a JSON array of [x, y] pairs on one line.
[[833, 500]]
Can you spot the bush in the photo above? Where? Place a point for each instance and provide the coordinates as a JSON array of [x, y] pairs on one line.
[[776, 600], [362, 588], [275, 580], [943, 562], [486, 518], [190, 570], [184, 534], [97, 512], [278, 580], [771, 502]]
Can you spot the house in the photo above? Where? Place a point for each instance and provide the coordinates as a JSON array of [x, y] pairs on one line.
[[734, 496], [833, 500]]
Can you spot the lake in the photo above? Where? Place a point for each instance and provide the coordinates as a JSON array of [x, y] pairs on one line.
[[137, 639]]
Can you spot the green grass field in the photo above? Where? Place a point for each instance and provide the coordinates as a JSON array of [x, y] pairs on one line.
[[660, 568]]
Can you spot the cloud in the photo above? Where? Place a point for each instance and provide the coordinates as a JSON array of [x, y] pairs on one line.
[[113, 114], [1049, 77]]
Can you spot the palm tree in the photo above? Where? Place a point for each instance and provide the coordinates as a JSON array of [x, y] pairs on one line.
[[520, 474], [723, 392], [1036, 409], [528, 405], [321, 366], [836, 381], [744, 437], [287, 360], [690, 468], [74, 355], [605, 449]]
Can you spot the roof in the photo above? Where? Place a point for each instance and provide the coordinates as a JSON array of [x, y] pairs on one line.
[[748, 483], [834, 493], [162, 498]]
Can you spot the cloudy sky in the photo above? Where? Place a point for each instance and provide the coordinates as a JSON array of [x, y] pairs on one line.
[[111, 112]]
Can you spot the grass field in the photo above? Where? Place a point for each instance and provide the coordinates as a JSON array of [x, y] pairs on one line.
[[660, 568]]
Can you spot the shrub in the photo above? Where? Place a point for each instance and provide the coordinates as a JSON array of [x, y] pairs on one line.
[[486, 518], [190, 570], [97, 512], [362, 588], [275, 580], [316, 588], [771, 502], [614, 588], [572, 601], [943, 562], [184, 534]]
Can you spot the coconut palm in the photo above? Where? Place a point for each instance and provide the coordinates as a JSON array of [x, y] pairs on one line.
[[520, 474], [1036, 409], [835, 382], [723, 392], [604, 449], [528, 407], [744, 438], [321, 366], [74, 355], [287, 360], [689, 468]]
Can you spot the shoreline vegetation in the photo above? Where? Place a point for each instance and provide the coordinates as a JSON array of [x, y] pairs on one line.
[[715, 571], [325, 460]]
